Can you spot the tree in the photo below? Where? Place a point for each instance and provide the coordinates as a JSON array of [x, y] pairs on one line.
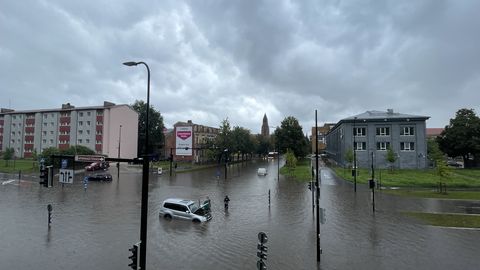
[[290, 136], [77, 150], [437, 157], [462, 136], [223, 143], [290, 161], [155, 126], [349, 156], [263, 145], [47, 153], [391, 157], [8, 155], [242, 141]]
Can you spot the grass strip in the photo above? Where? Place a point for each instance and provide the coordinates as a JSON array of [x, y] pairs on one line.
[[447, 220], [454, 195]]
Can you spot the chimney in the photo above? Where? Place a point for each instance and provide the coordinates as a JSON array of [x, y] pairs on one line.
[[108, 104], [67, 106], [189, 121]]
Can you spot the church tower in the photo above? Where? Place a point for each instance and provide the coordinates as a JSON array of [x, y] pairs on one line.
[[265, 128]]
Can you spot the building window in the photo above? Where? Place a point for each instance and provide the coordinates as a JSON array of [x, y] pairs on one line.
[[88, 123], [98, 132], [14, 117], [44, 124], [88, 132], [98, 142], [360, 146], [359, 132], [80, 114], [79, 140], [383, 131], [99, 123], [407, 146], [44, 133], [407, 131], [45, 116], [51, 132], [383, 146], [44, 141], [51, 141], [87, 140], [80, 123], [51, 124], [80, 132], [99, 112], [88, 113]]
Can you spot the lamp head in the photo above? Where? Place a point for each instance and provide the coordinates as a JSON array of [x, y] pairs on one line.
[[130, 64]]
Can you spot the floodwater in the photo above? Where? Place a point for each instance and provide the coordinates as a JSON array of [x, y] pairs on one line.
[[94, 229]]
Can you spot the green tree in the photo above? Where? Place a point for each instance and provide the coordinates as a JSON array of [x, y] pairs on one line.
[[462, 136], [223, 144], [290, 161], [242, 141], [290, 136], [47, 153], [391, 157], [349, 157], [8, 155], [437, 157], [77, 150], [155, 126], [263, 145]]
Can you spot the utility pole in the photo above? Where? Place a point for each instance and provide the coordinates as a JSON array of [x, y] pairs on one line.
[[372, 186], [119, 143]]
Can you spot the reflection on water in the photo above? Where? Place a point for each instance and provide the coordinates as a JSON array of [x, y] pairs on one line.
[[93, 229]]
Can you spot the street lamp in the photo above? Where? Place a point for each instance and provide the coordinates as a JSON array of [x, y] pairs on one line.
[[354, 133], [146, 159], [119, 140]]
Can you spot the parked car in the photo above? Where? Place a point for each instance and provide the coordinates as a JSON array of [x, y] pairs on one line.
[[184, 209], [453, 163], [101, 165], [100, 177], [262, 171]]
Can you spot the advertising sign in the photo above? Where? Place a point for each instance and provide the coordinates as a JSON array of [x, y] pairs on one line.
[[183, 141]]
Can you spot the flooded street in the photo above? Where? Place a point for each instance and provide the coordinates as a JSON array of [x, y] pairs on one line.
[[94, 229]]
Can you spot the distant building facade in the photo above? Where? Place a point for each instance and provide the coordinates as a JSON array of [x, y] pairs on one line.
[[432, 133], [375, 132], [265, 128], [187, 139], [320, 136], [100, 128]]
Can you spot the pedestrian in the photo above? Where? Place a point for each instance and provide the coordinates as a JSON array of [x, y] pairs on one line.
[[226, 200], [206, 204]]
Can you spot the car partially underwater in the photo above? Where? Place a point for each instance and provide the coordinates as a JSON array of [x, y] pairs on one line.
[[185, 209]]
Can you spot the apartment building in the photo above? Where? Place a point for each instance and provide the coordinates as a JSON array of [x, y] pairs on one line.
[[110, 129], [320, 135], [371, 133]]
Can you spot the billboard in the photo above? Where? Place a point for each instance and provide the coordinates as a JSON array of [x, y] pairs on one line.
[[183, 141]]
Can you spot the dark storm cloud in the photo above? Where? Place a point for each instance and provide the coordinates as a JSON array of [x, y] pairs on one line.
[[240, 59]]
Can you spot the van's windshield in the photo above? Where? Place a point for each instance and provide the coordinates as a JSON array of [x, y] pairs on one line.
[[193, 207]]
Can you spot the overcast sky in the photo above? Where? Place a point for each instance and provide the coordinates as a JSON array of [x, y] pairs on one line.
[[212, 60]]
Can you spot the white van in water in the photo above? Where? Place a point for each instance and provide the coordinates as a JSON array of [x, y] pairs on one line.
[[184, 209]]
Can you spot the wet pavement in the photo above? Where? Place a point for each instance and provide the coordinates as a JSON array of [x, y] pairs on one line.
[[94, 229]]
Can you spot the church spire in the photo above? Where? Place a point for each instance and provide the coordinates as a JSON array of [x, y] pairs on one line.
[[265, 128]]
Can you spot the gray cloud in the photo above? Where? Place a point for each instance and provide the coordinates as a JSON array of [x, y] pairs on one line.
[[240, 59]]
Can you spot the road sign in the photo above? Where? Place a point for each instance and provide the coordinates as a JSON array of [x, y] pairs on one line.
[[89, 158], [64, 163], [66, 176]]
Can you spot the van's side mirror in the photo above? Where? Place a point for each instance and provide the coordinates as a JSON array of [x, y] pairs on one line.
[[188, 212]]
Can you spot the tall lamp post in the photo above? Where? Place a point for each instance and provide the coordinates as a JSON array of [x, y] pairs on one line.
[[146, 159], [119, 143], [354, 133]]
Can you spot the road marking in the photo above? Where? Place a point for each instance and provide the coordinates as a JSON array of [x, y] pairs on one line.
[[8, 182]]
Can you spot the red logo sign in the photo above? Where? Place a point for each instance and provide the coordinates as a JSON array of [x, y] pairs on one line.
[[184, 134]]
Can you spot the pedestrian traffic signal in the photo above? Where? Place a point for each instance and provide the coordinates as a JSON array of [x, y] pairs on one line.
[[135, 256], [310, 185], [43, 176]]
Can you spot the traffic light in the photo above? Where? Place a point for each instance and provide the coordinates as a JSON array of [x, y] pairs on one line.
[[135, 256], [310, 185], [43, 176]]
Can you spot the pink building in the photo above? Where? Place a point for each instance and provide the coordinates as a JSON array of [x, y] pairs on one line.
[[110, 129]]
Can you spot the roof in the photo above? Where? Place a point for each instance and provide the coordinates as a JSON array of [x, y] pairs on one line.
[[70, 108], [384, 116], [179, 201], [434, 131], [381, 115]]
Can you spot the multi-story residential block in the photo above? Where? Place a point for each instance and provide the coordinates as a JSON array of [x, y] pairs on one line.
[[105, 129], [376, 131], [320, 135], [186, 141]]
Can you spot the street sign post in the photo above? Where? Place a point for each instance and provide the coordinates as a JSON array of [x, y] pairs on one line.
[[66, 176]]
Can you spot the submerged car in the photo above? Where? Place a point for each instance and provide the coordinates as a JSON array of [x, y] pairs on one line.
[[100, 177], [262, 171], [184, 209]]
